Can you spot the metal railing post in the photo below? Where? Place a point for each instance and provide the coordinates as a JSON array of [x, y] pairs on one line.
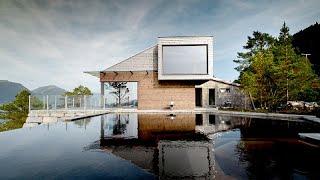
[[104, 102], [128, 101], [29, 103], [84, 102], [66, 102], [44, 102], [47, 103], [73, 102], [55, 102]]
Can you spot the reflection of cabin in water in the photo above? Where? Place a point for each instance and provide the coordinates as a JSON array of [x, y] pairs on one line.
[[169, 146], [177, 70], [159, 144]]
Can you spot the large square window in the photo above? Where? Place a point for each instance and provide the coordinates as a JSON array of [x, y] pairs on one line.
[[184, 59]]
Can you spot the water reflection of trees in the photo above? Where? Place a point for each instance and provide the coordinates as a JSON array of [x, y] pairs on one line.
[[16, 112], [277, 159], [120, 125], [269, 149], [82, 123]]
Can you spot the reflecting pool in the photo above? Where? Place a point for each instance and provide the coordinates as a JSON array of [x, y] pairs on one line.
[[266, 149], [160, 146]]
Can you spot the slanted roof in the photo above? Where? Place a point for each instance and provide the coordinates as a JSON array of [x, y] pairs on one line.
[[214, 79], [225, 82], [143, 61]]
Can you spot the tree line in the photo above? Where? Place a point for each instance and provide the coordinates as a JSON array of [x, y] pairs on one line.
[[272, 73], [307, 41]]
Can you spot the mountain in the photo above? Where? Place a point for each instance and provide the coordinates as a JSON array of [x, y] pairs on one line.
[[307, 41], [48, 90], [8, 90]]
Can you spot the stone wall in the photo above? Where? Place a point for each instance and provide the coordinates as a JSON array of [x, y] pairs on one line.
[[224, 93], [155, 94]]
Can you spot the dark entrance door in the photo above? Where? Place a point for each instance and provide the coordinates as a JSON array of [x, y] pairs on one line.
[[198, 97], [212, 97]]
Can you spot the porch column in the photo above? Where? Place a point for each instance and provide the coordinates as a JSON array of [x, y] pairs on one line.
[[101, 99], [102, 88], [102, 130]]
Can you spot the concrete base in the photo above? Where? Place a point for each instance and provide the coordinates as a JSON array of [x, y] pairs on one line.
[[28, 125], [42, 116]]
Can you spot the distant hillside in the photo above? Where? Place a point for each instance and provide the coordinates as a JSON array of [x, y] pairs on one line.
[[8, 91], [307, 41], [48, 90]]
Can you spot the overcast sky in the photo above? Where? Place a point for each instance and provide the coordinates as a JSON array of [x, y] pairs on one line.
[[49, 42]]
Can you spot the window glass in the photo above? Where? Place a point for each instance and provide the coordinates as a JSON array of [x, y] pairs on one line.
[[190, 59], [211, 96], [199, 120], [225, 90], [212, 119]]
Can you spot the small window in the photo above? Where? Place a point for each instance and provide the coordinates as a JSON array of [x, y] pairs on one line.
[[225, 90], [199, 120], [212, 119]]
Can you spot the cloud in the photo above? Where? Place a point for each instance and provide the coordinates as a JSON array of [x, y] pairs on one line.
[[53, 42]]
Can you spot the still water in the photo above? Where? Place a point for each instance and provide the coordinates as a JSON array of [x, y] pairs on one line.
[[159, 146], [267, 150]]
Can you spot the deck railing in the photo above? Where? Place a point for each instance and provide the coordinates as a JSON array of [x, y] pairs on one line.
[[78, 102]]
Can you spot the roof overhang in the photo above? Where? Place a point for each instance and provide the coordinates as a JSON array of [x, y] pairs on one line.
[[93, 73]]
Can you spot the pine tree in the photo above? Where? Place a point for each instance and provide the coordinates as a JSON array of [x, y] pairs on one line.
[[294, 72], [254, 66], [259, 41], [256, 79], [120, 90]]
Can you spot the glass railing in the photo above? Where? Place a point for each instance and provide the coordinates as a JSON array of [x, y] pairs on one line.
[[77, 102]]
